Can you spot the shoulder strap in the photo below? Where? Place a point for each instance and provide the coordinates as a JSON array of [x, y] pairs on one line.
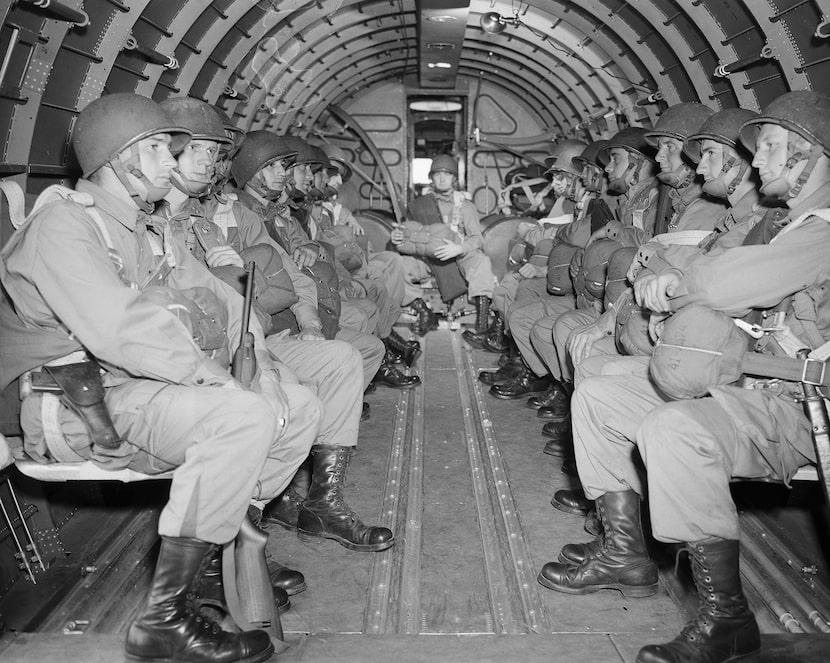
[[16, 201]]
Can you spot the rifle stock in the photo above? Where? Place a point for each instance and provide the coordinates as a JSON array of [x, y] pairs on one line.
[[248, 592], [816, 410], [243, 367]]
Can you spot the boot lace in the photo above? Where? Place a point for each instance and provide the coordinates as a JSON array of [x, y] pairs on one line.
[[707, 603], [207, 624]]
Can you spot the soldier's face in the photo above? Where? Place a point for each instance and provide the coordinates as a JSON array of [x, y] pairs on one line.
[[771, 152], [198, 160], [302, 176], [561, 182], [617, 162], [335, 181], [273, 175], [669, 154], [712, 156], [157, 164], [442, 181]]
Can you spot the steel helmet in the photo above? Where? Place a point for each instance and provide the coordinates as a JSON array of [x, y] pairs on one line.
[[259, 149], [563, 159], [590, 155], [679, 121], [337, 158], [233, 132], [724, 127], [445, 163], [305, 153], [804, 112], [631, 139], [199, 117], [110, 124]]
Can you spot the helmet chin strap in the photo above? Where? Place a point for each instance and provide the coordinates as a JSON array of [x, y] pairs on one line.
[[679, 178], [257, 184], [718, 187], [190, 188], [780, 187], [619, 184], [132, 166]]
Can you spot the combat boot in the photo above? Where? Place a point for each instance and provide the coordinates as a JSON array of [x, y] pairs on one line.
[[525, 383], [169, 626], [284, 509], [427, 320], [390, 376], [476, 336], [622, 563], [572, 501], [560, 442], [724, 628], [407, 351], [512, 368], [325, 514]]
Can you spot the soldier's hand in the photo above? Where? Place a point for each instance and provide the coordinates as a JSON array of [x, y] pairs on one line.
[[311, 334], [223, 256], [356, 227], [655, 325], [449, 251], [530, 271], [304, 256], [396, 236], [654, 292], [581, 342]]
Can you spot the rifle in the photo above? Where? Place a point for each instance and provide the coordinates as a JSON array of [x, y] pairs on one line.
[[248, 592], [243, 367]]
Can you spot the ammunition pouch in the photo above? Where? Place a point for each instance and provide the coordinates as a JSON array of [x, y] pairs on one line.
[[81, 390]]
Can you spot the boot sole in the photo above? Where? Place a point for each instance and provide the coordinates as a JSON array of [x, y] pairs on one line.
[[628, 591], [271, 521], [255, 658], [557, 418], [318, 537], [405, 386], [513, 397], [569, 509], [738, 657]]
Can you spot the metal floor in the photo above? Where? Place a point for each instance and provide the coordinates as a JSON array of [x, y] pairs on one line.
[[461, 479]]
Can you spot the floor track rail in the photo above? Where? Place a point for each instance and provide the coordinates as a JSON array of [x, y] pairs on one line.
[[393, 601], [515, 602]]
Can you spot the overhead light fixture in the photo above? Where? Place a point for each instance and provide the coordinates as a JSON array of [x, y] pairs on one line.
[[494, 23], [440, 46], [442, 18], [439, 65], [435, 106]]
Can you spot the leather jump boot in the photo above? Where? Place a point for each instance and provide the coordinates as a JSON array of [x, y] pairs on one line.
[[525, 383], [572, 501], [391, 377], [724, 628], [479, 333], [283, 510], [553, 396], [427, 320], [497, 339], [211, 590], [560, 440], [621, 563], [365, 412], [510, 371], [170, 628], [407, 350], [325, 514]]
